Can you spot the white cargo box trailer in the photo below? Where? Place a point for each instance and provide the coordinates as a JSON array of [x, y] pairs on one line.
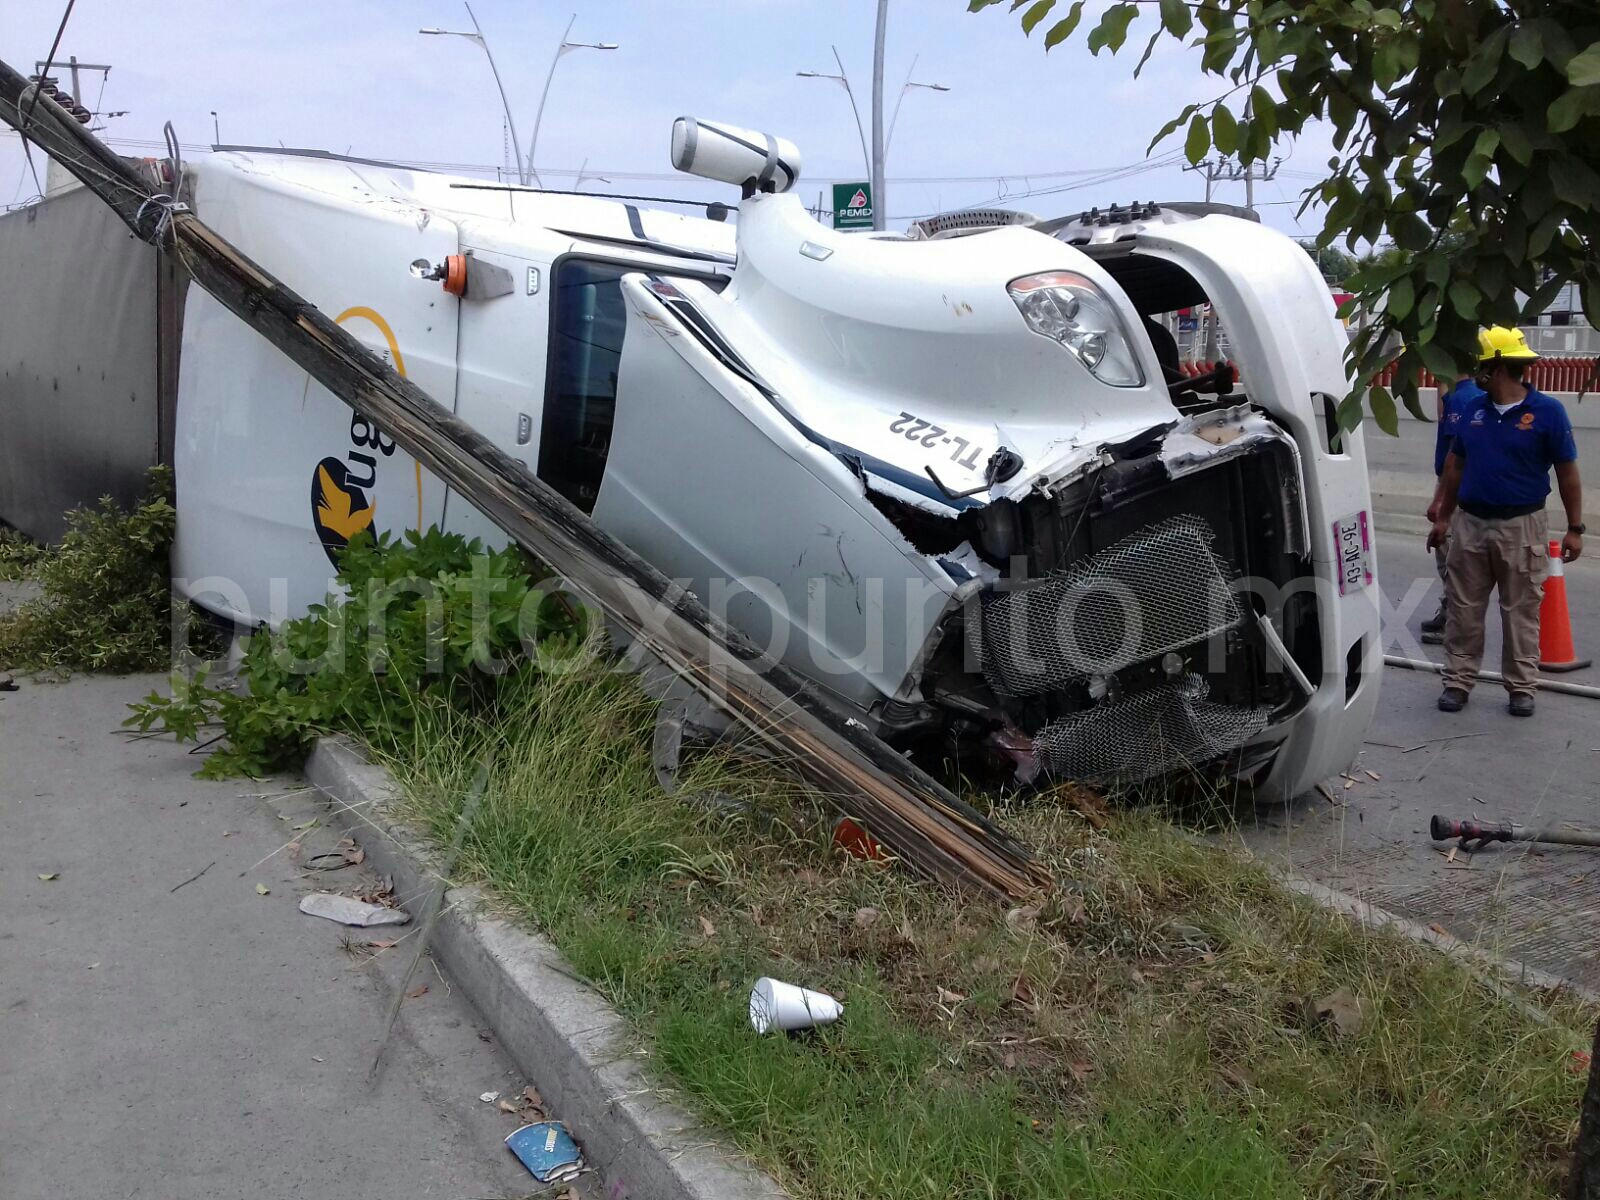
[[955, 477]]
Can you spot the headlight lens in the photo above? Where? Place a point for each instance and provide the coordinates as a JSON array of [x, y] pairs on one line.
[[1068, 308]]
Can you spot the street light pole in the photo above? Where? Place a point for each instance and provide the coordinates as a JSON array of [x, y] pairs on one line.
[[880, 200], [909, 85], [477, 36], [538, 117], [843, 81]]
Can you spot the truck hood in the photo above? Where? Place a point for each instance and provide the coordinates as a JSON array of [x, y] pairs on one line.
[[910, 355]]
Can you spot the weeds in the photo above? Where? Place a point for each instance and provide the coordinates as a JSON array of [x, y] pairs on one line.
[[104, 602], [427, 619], [1143, 1032], [19, 556]]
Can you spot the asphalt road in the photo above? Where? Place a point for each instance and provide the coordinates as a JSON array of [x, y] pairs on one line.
[[1535, 904], [208, 1042]]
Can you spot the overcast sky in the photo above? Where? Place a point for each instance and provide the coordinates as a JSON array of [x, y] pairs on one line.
[[355, 75]]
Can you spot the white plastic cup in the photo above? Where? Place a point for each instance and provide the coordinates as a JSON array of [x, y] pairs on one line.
[[778, 1005]]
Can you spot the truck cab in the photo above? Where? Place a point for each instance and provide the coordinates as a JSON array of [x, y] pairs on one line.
[[953, 476]]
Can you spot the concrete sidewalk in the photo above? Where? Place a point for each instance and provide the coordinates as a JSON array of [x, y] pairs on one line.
[[210, 1042], [1535, 904]]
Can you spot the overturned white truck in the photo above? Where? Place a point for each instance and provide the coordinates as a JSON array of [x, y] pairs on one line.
[[954, 476]]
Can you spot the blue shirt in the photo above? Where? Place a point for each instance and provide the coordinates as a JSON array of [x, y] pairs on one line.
[[1506, 459], [1452, 400]]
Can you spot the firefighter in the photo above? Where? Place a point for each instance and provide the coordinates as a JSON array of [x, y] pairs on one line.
[[1463, 394], [1492, 509]]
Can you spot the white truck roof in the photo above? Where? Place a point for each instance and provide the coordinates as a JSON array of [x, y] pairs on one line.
[[350, 184]]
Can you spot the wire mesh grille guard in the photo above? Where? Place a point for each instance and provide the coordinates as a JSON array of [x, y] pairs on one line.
[[1153, 733], [1156, 590]]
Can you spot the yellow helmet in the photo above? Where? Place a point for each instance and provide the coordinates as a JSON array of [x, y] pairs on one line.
[[1497, 343]]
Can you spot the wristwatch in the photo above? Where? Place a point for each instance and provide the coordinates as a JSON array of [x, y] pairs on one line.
[[1580, 530]]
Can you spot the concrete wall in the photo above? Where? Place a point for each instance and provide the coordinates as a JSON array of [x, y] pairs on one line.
[[1401, 468], [80, 415]]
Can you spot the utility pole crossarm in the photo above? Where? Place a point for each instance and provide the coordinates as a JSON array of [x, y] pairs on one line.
[[907, 810]]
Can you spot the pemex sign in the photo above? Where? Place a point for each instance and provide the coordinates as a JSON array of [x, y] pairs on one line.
[[852, 206]]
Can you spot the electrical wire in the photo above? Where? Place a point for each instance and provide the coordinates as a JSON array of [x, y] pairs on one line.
[[1112, 175], [1087, 174], [1294, 216]]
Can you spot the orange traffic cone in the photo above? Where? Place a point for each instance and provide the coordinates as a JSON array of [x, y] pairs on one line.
[[1556, 651]]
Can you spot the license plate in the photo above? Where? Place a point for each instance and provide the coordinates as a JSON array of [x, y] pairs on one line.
[[1353, 540]]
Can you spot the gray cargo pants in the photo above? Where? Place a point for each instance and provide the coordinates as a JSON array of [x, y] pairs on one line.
[[1510, 555]]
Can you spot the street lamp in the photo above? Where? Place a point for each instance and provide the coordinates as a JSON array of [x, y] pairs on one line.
[[585, 177], [477, 36], [562, 49], [843, 81], [907, 87]]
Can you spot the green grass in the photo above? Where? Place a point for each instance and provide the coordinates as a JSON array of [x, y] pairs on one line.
[[1144, 1034]]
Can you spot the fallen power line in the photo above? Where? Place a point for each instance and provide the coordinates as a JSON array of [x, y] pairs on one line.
[[907, 810]]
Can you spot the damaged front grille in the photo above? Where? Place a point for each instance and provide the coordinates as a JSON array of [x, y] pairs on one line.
[[1153, 733], [1159, 589]]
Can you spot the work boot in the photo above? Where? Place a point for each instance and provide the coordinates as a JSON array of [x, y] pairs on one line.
[[1521, 704], [1431, 637], [1453, 699], [1434, 624]]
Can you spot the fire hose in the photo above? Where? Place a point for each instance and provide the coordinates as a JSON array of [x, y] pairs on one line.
[[1475, 835]]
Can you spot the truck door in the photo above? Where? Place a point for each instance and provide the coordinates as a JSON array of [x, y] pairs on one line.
[[500, 385]]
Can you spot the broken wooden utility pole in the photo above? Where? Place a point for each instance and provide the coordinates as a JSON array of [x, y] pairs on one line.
[[907, 810]]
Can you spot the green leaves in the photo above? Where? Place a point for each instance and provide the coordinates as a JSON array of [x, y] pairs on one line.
[[1035, 14], [1198, 140], [1583, 70], [1410, 232], [1481, 158], [1575, 104], [1574, 181], [1465, 298], [1264, 111], [1527, 44], [105, 602], [1176, 18], [1402, 297], [1112, 31], [1467, 143], [1484, 64], [1383, 410], [1062, 29], [1224, 130]]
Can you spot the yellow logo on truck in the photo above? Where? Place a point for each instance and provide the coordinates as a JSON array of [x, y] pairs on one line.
[[340, 504], [339, 509]]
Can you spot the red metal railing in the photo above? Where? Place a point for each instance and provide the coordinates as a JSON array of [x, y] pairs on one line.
[[1567, 374]]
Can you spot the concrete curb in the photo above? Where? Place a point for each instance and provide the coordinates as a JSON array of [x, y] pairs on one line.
[[1494, 967], [561, 1034]]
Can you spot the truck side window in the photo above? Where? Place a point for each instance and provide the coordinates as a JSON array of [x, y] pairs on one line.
[[588, 323]]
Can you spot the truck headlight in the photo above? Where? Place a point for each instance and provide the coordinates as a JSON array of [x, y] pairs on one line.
[[1068, 308]]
